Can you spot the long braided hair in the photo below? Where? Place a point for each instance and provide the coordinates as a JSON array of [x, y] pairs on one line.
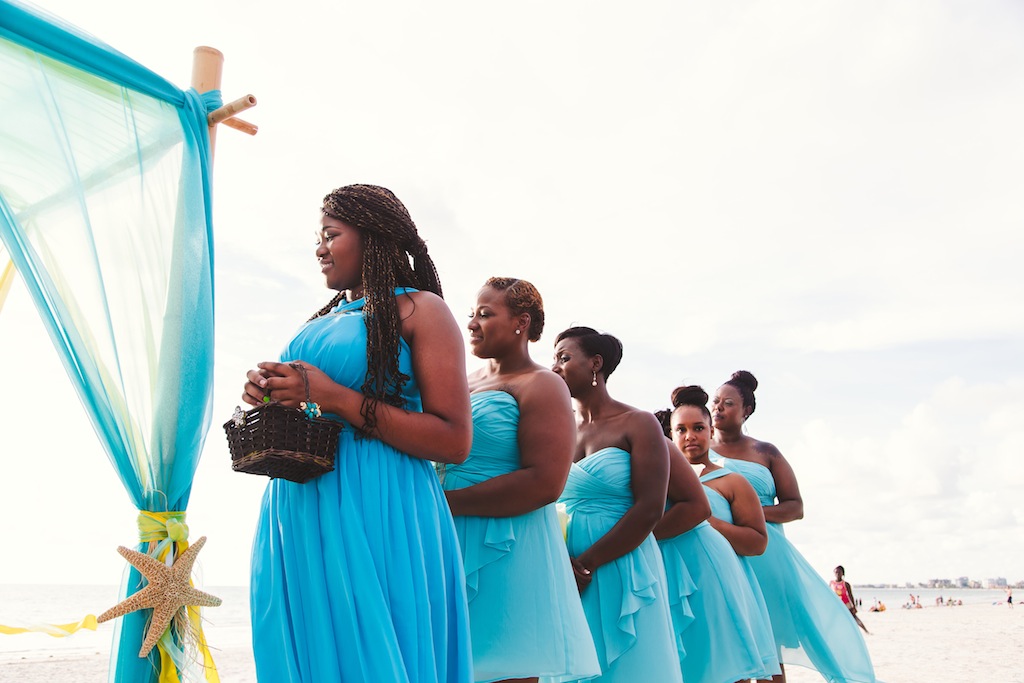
[[389, 239]]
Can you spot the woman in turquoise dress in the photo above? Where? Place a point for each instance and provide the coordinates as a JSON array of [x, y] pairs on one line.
[[356, 574], [812, 627], [525, 615], [729, 637], [614, 496]]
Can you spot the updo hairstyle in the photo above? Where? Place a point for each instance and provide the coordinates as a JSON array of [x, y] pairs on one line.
[[521, 297], [692, 395], [746, 384], [596, 343]]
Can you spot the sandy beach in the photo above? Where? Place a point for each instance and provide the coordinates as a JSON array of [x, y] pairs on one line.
[[968, 643]]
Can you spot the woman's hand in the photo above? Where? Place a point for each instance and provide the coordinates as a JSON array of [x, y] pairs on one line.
[[283, 383], [254, 389], [583, 575]]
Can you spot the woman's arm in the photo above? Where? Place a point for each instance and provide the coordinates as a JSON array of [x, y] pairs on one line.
[[849, 594], [746, 534], [690, 504], [649, 481], [443, 432], [547, 439], [791, 505]]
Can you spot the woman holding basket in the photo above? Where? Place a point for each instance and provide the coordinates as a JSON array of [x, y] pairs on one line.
[[356, 575]]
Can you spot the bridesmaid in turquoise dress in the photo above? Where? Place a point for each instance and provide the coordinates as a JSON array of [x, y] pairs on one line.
[[525, 615], [614, 496], [356, 574], [730, 637], [812, 627]]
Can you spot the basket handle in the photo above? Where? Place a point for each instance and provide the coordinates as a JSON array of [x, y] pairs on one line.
[[305, 378]]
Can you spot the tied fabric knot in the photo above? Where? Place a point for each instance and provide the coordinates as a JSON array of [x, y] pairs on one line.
[[160, 526], [212, 99]]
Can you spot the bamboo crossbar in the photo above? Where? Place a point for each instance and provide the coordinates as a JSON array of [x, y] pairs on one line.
[[239, 124], [230, 109]]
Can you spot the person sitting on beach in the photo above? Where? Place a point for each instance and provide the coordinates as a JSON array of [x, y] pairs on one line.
[[844, 590]]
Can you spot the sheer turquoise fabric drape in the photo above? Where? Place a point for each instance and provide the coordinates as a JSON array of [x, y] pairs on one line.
[[105, 211]]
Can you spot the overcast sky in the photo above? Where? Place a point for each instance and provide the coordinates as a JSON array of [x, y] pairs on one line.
[[827, 194]]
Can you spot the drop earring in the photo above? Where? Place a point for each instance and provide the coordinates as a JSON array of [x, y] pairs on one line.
[[593, 383]]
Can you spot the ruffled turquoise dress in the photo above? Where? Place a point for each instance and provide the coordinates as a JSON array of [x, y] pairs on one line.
[[626, 603], [525, 614], [722, 630], [357, 574], [812, 627], [764, 638]]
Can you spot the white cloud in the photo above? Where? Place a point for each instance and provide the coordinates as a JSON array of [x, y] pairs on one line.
[[940, 489]]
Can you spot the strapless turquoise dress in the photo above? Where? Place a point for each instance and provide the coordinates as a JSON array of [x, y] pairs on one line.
[[525, 614], [812, 627], [626, 603], [357, 574], [728, 638]]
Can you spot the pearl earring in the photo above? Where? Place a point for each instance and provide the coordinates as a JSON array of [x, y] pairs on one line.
[[519, 331], [594, 382]]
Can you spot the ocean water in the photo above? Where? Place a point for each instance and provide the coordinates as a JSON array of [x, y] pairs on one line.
[[226, 626], [895, 598]]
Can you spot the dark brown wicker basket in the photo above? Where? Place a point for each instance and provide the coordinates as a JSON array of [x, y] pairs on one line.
[[281, 442]]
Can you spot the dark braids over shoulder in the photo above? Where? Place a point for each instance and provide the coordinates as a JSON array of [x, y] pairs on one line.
[[389, 240]]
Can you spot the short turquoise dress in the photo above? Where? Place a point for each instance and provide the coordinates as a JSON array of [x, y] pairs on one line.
[[764, 638], [626, 603], [812, 627], [723, 633], [525, 614], [357, 574]]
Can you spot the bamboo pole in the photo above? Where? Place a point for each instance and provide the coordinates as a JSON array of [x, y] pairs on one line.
[[230, 109], [207, 68], [239, 124]]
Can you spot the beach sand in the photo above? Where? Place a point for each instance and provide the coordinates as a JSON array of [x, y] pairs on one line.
[[967, 643]]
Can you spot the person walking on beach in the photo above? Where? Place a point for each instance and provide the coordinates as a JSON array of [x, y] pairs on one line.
[[525, 614], [357, 574], [844, 591], [1009, 597], [614, 496], [810, 625]]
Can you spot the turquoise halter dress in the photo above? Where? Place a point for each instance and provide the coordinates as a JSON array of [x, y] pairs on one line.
[[626, 603], [525, 614], [722, 632], [812, 627], [357, 574]]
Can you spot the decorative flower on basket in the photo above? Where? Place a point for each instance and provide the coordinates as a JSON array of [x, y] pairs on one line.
[[274, 440]]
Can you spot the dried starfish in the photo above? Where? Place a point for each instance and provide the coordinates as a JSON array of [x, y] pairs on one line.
[[167, 592]]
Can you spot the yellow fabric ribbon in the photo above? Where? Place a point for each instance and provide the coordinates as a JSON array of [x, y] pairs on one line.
[[6, 278], [167, 536], [55, 630], [166, 532]]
